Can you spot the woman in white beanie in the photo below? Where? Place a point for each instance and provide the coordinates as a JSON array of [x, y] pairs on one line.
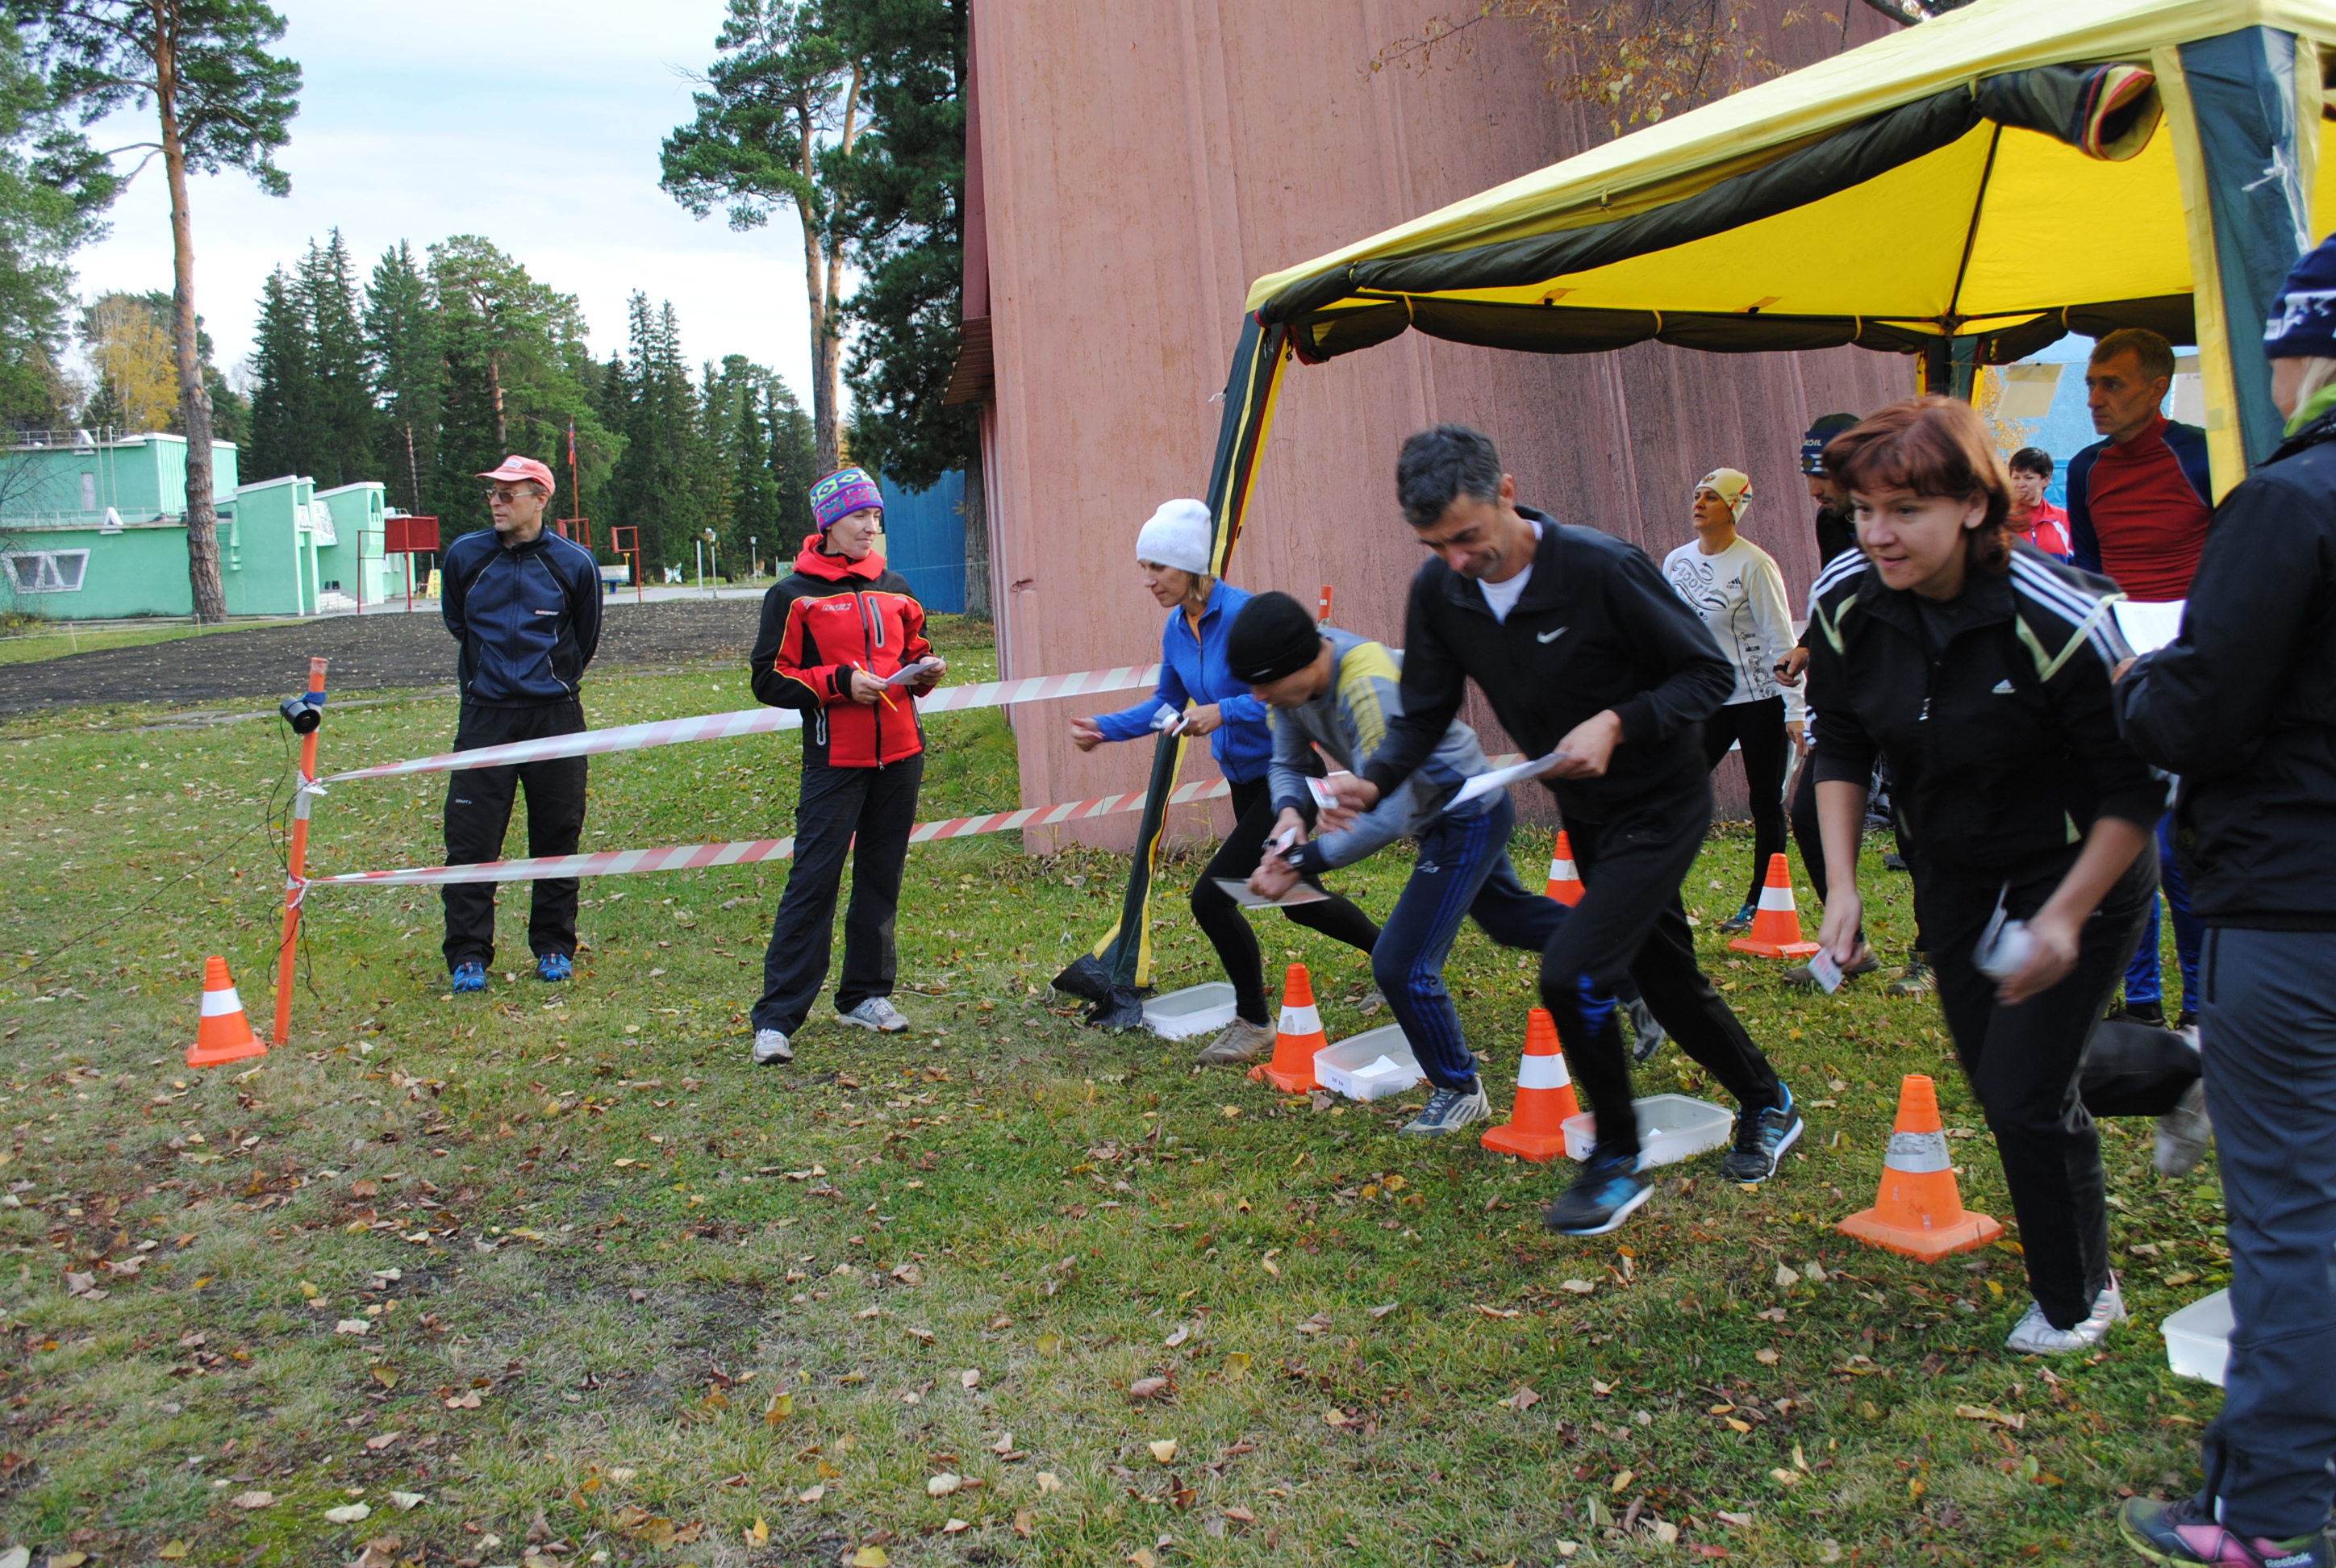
[[1173, 554], [1735, 587]]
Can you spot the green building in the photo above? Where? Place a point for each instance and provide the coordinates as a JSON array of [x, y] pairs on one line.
[[97, 530]]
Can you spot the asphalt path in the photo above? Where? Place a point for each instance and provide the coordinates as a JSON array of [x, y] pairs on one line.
[[368, 652]]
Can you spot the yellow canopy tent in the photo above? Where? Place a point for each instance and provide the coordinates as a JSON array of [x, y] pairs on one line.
[[1966, 187], [1969, 190]]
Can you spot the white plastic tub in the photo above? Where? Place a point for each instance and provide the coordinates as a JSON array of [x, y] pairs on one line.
[[1671, 1128], [1194, 1010], [2199, 1338], [1370, 1065]]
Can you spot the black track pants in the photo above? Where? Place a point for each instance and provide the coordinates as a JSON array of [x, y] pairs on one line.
[[2026, 1065], [478, 814], [1759, 729], [1630, 922], [878, 806], [1228, 929]]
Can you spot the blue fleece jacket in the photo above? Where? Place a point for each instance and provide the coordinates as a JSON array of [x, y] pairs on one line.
[[1193, 671]]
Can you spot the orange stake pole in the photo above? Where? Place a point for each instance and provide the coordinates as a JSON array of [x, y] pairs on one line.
[[298, 867]]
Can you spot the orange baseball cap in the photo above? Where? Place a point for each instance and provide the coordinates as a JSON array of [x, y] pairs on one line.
[[515, 467]]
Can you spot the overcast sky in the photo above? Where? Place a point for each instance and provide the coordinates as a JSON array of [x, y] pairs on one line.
[[534, 124]]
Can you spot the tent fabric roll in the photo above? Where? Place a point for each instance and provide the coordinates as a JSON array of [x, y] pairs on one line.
[[2242, 89]]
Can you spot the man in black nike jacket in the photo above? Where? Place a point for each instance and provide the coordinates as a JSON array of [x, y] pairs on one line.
[[1583, 649]]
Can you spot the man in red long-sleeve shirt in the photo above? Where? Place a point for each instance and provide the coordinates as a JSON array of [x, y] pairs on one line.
[[2139, 501], [2138, 507]]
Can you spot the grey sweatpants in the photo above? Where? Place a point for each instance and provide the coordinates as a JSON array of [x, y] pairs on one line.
[[2268, 1029]]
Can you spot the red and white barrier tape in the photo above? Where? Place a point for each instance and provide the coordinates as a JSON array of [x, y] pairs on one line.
[[751, 721], [749, 852], [753, 852]]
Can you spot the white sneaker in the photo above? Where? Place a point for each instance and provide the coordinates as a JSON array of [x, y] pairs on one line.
[[878, 1013], [2035, 1335], [1240, 1041], [770, 1045]]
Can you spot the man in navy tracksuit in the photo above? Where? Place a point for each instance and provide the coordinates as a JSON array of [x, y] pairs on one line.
[[524, 604]]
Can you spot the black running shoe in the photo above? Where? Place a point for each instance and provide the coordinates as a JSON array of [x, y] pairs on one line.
[[1601, 1199], [1762, 1137], [1647, 1034]]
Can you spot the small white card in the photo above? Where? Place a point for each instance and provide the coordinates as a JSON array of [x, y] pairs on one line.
[[1238, 893], [1484, 784], [1826, 972], [1320, 788], [907, 673]]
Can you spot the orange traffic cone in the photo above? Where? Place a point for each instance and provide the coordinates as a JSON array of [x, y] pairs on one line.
[[224, 1034], [1296, 1038], [1918, 1210], [1536, 1129], [1776, 926], [1565, 881]]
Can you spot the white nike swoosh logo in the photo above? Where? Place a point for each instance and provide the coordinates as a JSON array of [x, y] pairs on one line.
[[1550, 635]]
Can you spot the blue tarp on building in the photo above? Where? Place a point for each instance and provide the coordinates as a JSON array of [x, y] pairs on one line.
[[924, 540]]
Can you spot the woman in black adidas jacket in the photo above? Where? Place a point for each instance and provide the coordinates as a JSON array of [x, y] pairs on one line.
[[1981, 669]]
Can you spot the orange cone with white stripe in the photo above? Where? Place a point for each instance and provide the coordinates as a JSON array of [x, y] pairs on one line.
[[1296, 1038], [224, 1035], [1775, 925], [1536, 1129], [1565, 881], [1919, 1211]]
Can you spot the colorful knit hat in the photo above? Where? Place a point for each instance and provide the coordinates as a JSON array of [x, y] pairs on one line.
[[841, 493]]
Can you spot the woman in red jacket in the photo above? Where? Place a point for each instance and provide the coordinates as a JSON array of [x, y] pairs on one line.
[[834, 633]]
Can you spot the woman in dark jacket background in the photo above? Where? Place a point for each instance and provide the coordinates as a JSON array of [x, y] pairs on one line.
[[1981, 670], [2243, 706]]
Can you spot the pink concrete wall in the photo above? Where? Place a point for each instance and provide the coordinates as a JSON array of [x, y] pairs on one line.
[[1140, 165]]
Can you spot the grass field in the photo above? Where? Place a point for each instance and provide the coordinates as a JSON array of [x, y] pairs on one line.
[[554, 1276]]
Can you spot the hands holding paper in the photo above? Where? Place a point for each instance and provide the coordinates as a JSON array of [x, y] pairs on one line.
[[1274, 875], [1343, 798]]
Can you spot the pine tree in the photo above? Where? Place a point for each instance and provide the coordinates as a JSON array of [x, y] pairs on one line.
[[220, 100], [517, 372], [284, 423], [795, 462], [906, 179], [660, 483], [736, 402], [346, 418], [408, 371]]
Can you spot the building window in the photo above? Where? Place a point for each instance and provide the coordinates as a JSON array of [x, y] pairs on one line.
[[46, 571], [89, 492]]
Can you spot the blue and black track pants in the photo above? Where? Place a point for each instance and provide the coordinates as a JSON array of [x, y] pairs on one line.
[[2142, 983], [1463, 870]]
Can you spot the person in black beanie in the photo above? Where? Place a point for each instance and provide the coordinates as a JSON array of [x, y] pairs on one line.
[[1584, 652], [1331, 695]]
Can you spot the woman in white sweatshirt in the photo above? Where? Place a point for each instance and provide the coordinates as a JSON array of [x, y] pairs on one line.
[[1735, 586]]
